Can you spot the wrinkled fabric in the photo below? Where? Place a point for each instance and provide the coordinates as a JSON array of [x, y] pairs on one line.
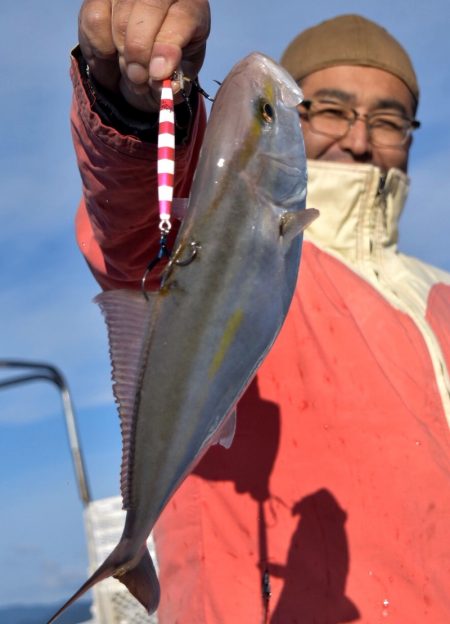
[[336, 487], [117, 219]]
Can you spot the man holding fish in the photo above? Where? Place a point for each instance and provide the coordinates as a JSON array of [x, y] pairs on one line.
[[332, 503]]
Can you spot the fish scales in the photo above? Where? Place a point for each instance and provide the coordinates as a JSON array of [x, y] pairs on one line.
[[182, 358]]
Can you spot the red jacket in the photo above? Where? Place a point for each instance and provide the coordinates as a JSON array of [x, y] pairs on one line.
[[336, 488]]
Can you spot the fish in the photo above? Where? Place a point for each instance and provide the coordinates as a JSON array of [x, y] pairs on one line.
[[183, 355]]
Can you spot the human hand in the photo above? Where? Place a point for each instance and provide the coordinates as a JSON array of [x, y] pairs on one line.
[[131, 45]]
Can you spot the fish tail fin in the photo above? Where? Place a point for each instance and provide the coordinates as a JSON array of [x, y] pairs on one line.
[[103, 572], [141, 580]]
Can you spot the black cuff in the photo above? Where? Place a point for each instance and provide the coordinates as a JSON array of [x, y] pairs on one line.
[[115, 112]]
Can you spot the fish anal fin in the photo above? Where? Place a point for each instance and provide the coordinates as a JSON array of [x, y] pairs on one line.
[[293, 222], [142, 582]]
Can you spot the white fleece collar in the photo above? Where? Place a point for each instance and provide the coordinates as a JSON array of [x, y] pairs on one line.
[[359, 209]]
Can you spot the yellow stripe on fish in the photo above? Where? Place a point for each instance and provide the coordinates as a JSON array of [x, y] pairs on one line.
[[231, 328]]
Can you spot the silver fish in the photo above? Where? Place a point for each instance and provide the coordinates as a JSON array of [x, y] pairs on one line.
[[183, 356]]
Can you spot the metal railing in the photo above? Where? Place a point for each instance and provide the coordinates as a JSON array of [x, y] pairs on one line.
[[40, 371]]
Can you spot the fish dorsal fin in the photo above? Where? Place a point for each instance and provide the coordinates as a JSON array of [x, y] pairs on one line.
[[295, 221], [126, 314]]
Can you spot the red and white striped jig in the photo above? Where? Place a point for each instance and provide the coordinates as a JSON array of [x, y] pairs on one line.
[[165, 173], [166, 156]]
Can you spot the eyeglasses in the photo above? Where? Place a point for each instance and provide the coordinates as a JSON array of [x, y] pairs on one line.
[[334, 120]]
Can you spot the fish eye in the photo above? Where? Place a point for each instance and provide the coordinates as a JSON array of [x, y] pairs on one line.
[[267, 112]]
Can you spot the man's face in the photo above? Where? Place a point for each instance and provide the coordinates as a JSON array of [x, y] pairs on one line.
[[366, 90]]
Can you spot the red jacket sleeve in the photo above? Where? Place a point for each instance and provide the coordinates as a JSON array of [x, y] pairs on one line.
[[117, 220]]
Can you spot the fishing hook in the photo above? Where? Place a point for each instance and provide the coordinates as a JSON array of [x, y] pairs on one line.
[[195, 83], [163, 252], [194, 251], [197, 86]]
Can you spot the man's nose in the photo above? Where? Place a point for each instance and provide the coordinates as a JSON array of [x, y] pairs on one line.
[[357, 139]]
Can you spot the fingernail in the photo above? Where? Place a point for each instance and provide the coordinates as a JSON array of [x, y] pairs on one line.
[[137, 73], [159, 68]]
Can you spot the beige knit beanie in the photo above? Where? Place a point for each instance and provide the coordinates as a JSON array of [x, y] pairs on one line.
[[349, 40]]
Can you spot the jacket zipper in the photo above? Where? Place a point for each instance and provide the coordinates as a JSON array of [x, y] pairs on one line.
[[410, 303]]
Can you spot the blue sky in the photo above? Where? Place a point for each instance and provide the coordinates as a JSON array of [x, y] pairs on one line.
[[46, 290]]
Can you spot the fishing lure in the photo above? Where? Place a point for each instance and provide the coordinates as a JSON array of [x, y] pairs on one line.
[[165, 173], [166, 164], [166, 144], [166, 156]]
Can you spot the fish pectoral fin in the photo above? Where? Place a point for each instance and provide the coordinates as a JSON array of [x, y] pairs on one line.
[[142, 582], [293, 222]]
